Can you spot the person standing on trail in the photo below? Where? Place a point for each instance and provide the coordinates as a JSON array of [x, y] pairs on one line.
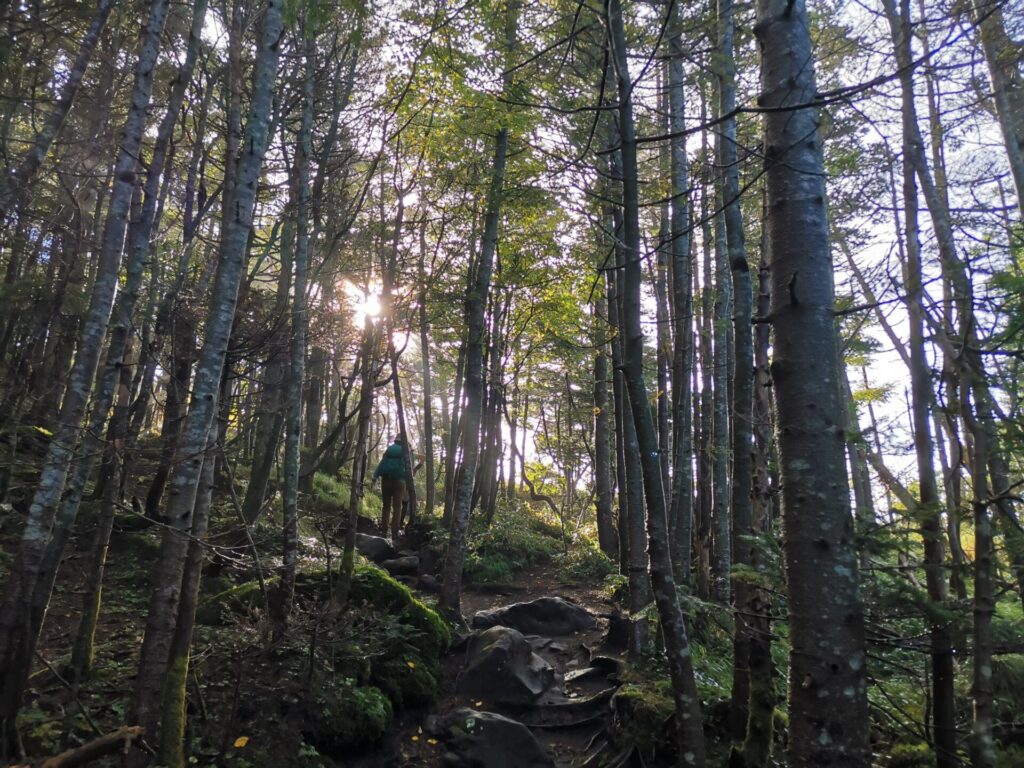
[[393, 477]]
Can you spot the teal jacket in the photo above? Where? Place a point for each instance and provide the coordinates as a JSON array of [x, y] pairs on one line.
[[393, 463]]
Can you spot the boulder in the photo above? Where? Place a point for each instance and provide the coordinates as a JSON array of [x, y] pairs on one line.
[[402, 566], [428, 583], [488, 740], [501, 667], [543, 616], [374, 548]]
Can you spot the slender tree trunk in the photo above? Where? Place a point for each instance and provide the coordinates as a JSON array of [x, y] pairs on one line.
[[173, 699], [236, 226], [300, 321], [681, 514], [606, 534], [13, 186], [721, 561], [476, 304], [428, 393], [17, 640], [757, 746], [828, 693], [688, 721], [743, 375], [1003, 57]]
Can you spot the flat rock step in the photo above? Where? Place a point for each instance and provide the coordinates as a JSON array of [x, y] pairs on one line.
[[548, 616]]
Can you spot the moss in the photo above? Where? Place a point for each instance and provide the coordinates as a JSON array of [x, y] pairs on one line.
[[346, 718], [641, 711], [172, 714], [407, 680], [212, 610], [376, 587]]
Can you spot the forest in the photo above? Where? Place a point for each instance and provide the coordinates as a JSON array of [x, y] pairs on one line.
[[509, 384]]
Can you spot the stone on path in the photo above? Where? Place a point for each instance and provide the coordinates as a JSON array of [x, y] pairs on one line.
[[374, 548], [401, 566], [501, 667], [543, 616], [487, 740]]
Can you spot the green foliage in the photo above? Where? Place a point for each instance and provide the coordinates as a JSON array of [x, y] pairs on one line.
[[585, 564], [517, 538], [430, 634], [348, 717], [330, 491], [910, 756]]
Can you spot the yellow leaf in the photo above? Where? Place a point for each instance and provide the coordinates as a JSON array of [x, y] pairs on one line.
[[415, 738], [431, 742], [43, 431], [478, 704], [241, 741], [411, 664]]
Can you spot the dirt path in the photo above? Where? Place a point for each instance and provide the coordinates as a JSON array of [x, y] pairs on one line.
[[410, 742]]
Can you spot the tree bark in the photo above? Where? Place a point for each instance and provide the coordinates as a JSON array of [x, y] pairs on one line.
[[17, 640], [236, 226], [476, 304], [828, 692], [689, 732]]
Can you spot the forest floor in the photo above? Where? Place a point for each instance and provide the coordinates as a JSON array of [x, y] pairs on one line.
[[409, 743]]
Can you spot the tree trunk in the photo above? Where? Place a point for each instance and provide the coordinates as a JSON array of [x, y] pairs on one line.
[[476, 304], [688, 721], [606, 534], [828, 692], [743, 375], [236, 226], [17, 642], [681, 514]]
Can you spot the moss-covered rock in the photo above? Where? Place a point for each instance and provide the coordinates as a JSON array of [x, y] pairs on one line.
[[376, 587], [346, 718], [215, 609], [641, 712], [408, 680]]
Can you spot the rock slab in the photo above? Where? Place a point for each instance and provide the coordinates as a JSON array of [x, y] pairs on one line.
[[374, 548], [488, 740], [543, 616], [501, 667]]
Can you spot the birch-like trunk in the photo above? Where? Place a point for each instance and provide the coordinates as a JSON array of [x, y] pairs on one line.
[[476, 305], [17, 639], [235, 229]]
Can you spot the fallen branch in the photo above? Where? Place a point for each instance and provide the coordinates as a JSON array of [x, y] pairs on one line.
[[122, 738]]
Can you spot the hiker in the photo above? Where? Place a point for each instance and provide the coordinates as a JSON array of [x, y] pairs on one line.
[[393, 477]]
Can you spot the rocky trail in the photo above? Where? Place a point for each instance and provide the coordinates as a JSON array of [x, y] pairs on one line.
[[528, 684]]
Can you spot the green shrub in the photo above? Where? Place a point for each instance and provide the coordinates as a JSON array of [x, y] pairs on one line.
[[347, 717], [515, 539], [585, 564], [910, 756], [329, 491]]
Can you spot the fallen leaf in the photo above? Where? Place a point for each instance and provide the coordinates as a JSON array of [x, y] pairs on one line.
[[241, 741]]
